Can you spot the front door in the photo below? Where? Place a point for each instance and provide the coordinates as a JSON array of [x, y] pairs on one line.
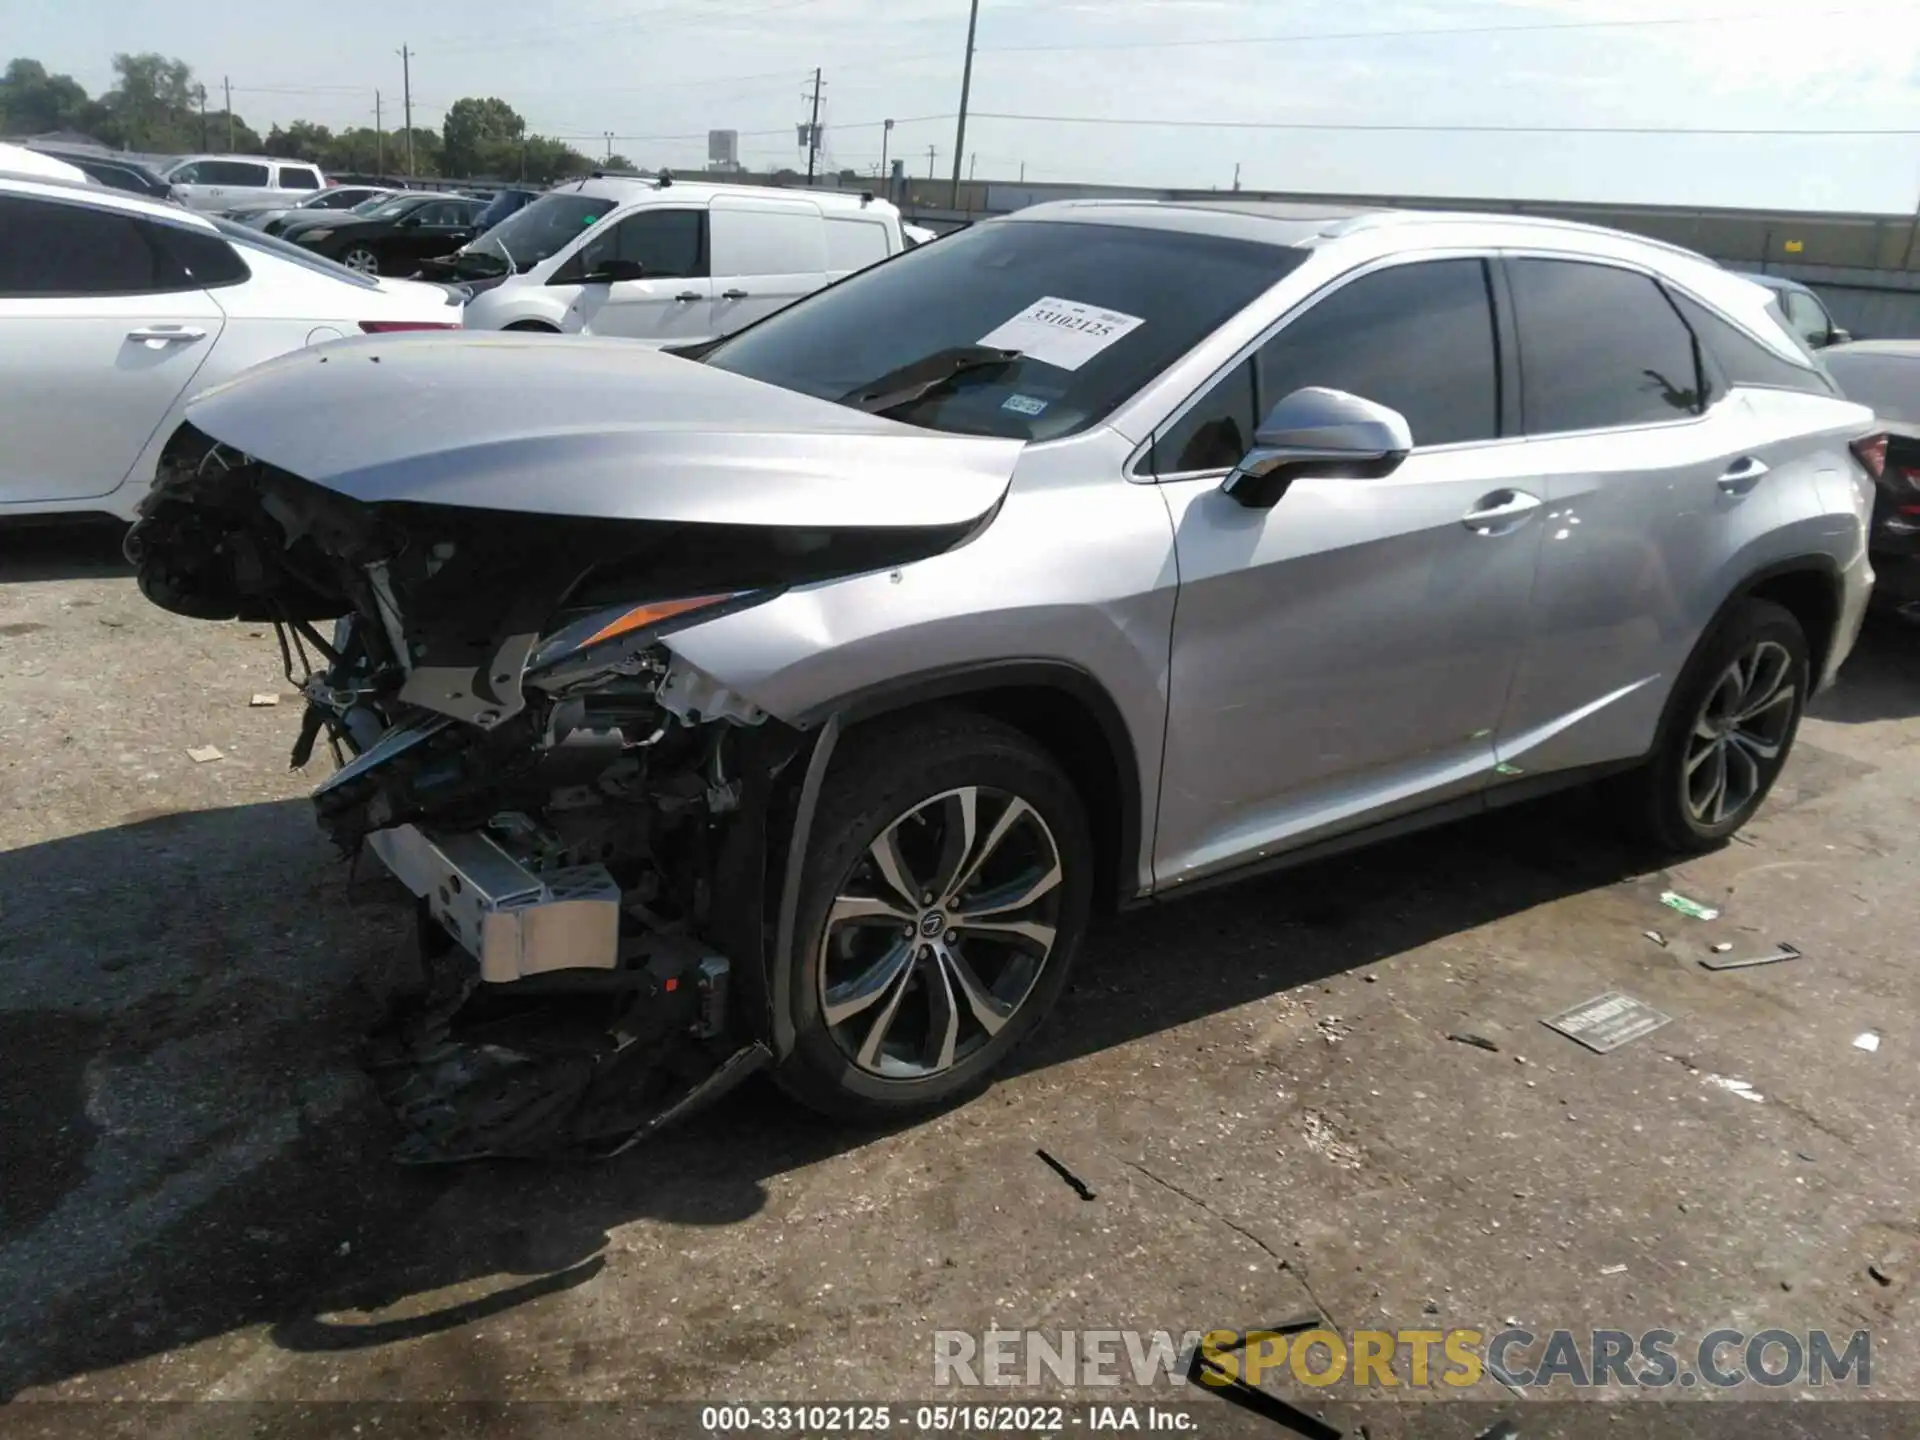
[[672, 298], [1345, 656], [98, 350]]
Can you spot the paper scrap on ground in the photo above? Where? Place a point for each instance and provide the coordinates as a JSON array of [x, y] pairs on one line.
[[1062, 333], [1741, 1088], [204, 753], [1674, 900], [1867, 1041], [1607, 1022], [263, 698]]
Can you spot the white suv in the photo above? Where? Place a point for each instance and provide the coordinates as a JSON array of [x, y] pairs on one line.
[[220, 182], [663, 260]]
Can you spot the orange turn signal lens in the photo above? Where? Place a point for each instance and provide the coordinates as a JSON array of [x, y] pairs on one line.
[[652, 613]]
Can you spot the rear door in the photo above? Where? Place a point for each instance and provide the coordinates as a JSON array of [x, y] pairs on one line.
[[854, 242], [766, 255], [103, 333], [1345, 656], [1657, 485], [674, 298], [216, 184]]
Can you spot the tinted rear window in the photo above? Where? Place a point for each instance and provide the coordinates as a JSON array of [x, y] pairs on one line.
[[293, 177], [1178, 287], [48, 249], [1743, 360], [1599, 347]]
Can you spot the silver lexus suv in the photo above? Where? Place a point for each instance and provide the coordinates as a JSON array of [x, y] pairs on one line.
[[792, 702]]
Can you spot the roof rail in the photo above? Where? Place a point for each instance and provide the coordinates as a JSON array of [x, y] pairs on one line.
[[1380, 219]]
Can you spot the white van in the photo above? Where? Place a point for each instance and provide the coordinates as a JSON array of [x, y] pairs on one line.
[[668, 260], [220, 182]]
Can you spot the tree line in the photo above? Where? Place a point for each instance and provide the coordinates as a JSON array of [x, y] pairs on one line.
[[156, 106]]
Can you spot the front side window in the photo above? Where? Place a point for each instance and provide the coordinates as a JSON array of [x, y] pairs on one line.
[[49, 249], [666, 244], [1599, 347], [441, 212], [1417, 338], [1163, 291]]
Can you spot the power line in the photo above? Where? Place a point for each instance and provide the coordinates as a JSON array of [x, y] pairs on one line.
[[1799, 17], [753, 134], [1502, 129], [527, 39]]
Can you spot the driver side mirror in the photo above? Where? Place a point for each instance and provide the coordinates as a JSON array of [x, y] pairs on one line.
[[1317, 431], [1838, 336], [410, 222]]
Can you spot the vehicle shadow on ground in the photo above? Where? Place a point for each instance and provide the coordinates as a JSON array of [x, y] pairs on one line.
[[67, 551], [1881, 679], [191, 1150]]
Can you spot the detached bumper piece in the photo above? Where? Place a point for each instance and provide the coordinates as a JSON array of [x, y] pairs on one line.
[[543, 1032]]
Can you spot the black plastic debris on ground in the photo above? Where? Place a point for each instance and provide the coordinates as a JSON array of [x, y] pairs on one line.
[[1607, 1022], [1500, 1430], [1479, 1042], [1236, 1392], [1080, 1187], [1781, 951]]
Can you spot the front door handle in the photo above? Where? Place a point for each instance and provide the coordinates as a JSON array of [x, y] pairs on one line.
[[733, 295], [686, 295], [1501, 511], [167, 333], [1742, 475]]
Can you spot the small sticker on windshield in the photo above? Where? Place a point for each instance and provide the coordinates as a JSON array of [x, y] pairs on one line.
[[1025, 404], [1062, 333]]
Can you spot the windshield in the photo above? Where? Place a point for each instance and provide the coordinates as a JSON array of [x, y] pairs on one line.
[[370, 204], [543, 229], [1096, 310]]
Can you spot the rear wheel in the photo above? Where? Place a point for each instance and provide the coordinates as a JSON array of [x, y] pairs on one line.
[[1729, 730], [533, 327], [362, 259], [941, 903]]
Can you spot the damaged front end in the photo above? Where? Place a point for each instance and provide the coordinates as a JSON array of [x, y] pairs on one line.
[[584, 818]]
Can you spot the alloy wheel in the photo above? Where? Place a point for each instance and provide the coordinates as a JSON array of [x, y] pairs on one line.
[[363, 260], [939, 931], [1740, 733]]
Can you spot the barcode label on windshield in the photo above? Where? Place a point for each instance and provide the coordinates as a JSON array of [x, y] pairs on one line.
[[1062, 333]]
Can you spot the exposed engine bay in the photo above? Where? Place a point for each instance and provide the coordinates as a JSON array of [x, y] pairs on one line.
[[591, 827]]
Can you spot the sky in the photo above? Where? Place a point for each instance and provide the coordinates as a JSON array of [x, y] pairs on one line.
[[1344, 96]]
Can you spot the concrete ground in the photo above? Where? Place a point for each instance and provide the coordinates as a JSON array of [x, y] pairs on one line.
[[1257, 1085]]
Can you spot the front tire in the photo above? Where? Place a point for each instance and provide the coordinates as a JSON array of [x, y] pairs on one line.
[[1728, 731], [944, 894], [362, 259]]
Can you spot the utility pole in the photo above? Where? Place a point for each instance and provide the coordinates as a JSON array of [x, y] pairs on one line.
[[201, 93], [609, 138], [406, 100], [972, 160], [1236, 175], [966, 87], [813, 127], [1023, 172], [886, 134], [227, 85], [379, 139], [931, 152]]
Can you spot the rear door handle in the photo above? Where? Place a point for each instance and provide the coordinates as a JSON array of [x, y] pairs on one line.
[[167, 333], [686, 295], [733, 295], [1742, 475], [1499, 512]]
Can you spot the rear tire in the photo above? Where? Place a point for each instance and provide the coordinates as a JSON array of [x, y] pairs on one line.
[[1728, 731], [532, 327], [362, 259], [976, 820]]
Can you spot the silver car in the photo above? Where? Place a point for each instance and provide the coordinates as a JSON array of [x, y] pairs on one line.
[[793, 703]]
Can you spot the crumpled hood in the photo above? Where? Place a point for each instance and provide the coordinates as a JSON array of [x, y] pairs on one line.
[[591, 427]]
